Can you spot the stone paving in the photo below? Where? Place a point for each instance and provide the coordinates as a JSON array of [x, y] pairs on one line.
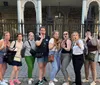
[[23, 74]]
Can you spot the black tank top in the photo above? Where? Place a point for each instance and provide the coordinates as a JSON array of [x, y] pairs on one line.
[[64, 51], [90, 46]]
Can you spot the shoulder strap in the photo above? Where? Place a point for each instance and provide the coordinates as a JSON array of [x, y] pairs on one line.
[[29, 43], [14, 44]]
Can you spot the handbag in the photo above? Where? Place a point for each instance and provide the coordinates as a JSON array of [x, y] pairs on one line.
[[85, 51], [23, 52], [10, 55], [32, 51], [99, 57], [51, 58], [35, 52]]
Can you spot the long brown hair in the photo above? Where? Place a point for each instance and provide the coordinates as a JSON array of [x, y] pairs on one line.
[[56, 41]]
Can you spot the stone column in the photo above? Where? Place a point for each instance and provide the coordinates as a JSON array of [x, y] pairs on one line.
[[22, 20], [39, 14], [99, 21], [19, 15], [84, 16]]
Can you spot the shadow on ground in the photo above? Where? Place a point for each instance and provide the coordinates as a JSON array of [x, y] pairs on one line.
[[59, 83]]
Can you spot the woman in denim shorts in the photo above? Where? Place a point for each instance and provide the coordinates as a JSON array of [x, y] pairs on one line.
[[42, 45], [4, 44]]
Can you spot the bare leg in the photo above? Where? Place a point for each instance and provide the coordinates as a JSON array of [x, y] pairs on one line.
[[44, 69], [1, 77], [17, 72], [86, 65], [93, 70], [13, 72], [4, 69], [41, 69]]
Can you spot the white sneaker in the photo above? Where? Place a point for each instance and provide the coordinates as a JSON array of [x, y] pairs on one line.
[[85, 80], [32, 79], [65, 84], [93, 83], [5, 80], [51, 83], [3, 83], [55, 80], [29, 81]]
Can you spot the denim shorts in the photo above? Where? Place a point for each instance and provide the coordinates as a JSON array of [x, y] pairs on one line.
[[1, 59], [44, 59]]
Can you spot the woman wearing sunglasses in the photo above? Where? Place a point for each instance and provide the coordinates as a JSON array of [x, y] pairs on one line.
[[65, 55]]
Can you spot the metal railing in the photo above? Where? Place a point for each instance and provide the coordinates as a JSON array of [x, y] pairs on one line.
[[13, 28]]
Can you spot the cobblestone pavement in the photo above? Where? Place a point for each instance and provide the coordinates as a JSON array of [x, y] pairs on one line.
[[24, 82], [23, 73], [59, 83]]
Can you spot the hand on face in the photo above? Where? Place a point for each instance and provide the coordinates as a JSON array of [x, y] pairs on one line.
[[77, 43], [42, 31], [88, 34], [8, 44], [42, 36], [63, 46]]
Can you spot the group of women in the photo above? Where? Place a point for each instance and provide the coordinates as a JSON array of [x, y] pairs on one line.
[[63, 50]]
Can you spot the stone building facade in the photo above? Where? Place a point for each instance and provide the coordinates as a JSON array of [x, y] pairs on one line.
[[68, 14]]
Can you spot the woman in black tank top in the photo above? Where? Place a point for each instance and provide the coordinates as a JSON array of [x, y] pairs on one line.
[[65, 55], [89, 59], [65, 51]]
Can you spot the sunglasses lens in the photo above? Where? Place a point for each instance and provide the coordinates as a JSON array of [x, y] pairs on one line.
[[65, 34]]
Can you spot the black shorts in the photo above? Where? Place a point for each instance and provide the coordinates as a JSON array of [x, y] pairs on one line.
[[16, 63]]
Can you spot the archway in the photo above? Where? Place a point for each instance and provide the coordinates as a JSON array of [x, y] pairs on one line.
[[29, 17], [93, 17]]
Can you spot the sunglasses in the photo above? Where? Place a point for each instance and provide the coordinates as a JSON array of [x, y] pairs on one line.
[[65, 34]]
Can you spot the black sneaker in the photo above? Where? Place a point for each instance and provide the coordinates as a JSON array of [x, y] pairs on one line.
[[44, 79], [39, 82]]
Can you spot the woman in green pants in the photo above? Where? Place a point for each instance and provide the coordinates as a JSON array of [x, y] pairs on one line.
[[28, 57]]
